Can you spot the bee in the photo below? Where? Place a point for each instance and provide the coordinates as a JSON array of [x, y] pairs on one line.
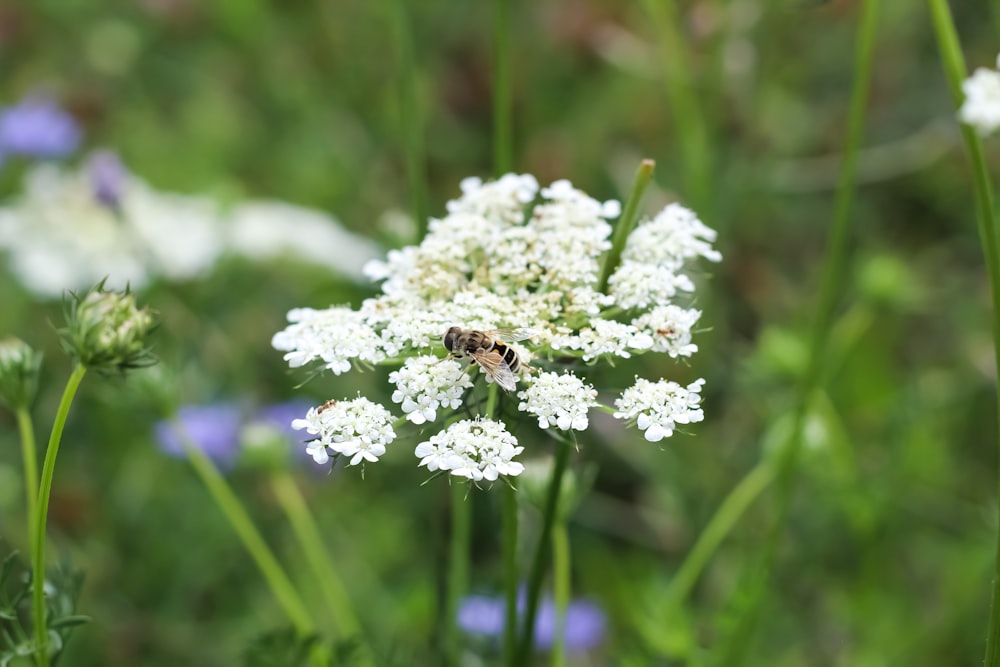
[[489, 349]]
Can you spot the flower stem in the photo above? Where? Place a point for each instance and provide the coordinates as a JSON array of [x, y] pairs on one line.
[[955, 71], [830, 290], [626, 223], [324, 571], [560, 588], [41, 515], [689, 128], [409, 114], [542, 554], [729, 512], [458, 560], [28, 452], [508, 519], [252, 540], [503, 148]]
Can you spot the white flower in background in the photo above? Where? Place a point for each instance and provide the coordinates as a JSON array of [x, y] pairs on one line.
[[359, 429], [657, 407], [59, 235], [510, 254], [477, 449], [425, 384], [560, 400], [265, 230], [981, 108], [70, 229]]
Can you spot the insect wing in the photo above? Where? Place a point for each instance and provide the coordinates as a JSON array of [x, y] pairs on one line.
[[494, 366], [512, 335]]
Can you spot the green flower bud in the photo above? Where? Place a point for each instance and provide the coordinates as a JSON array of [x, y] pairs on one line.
[[105, 330], [19, 368]]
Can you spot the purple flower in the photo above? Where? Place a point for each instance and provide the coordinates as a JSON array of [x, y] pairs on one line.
[[585, 622], [214, 429], [37, 127], [107, 177]]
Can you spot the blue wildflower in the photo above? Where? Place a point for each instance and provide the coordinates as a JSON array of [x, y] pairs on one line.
[[214, 429], [585, 623], [107, 177], [37, 127]]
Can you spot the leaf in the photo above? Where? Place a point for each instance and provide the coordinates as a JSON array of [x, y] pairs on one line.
[[69, 621], [279, 648]]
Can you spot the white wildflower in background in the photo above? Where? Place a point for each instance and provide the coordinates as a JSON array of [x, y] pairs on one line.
[[474, 448], [560, 400], [425, 384], [358, 429], [657, 407], [512, 255], [981, 108], [68, 229]]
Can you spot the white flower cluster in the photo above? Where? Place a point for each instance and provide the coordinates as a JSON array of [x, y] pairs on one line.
[[477, 449], [427, 383], [61, 233], [657, 407], [511, 254], [359, 429], [981, 108], [560, 400]]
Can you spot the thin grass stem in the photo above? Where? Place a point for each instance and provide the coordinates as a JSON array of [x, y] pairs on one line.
[[626, 223], [458, 566], [29, 453], [560, 588], [503, 147]]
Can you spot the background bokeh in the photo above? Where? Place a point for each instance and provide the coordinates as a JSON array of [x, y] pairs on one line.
[[886, 558]]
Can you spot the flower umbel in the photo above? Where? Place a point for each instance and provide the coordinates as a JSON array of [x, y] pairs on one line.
[[106, 330], [657, 407], [474, 448], [359, 429], [559, 400], [19, 368]]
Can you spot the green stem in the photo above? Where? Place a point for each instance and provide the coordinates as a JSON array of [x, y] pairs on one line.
[[29, 454], [458, 560], [729, 512], [955, 70], [409, 113], [560, 588], [689, 129], [626, 223], [508, 518], [541, 559], [252, 540], [503, 149], [830, 290], [41, 516], [324, 571]]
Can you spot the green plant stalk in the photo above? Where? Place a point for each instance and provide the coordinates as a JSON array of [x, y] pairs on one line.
[[690, 130], [832, 278], [626, 223], [28, 452], [732, 508], [458, 561], [508, 548], [41, 516], [409, 114], [503, 148], [281, 586], [324, 571], [541, 560], [560, 588], [955, 71]]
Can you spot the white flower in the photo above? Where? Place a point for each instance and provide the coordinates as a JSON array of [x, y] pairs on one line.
[[641, 285], [427, 383], [335, 335], [477, 449], [657, 407], [981, 108], [603, 338], [670, 328], [559, 400], [59, 236], [358, 428], [262, 230], [671, 238]]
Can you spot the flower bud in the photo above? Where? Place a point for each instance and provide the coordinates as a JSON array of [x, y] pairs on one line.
[[19, 369], [106, 330]]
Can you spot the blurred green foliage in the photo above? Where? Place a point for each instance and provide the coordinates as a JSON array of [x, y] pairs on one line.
[[887, 555]]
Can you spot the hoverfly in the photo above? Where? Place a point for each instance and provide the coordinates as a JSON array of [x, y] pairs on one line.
[[489, 349]]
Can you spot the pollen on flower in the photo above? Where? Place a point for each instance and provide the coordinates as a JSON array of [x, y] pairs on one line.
[[426, 383], [359, 429], [657, 407], [560, 400], [477, 449]]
